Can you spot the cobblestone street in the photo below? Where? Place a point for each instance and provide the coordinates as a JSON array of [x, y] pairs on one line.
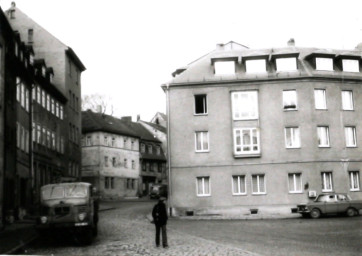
[[124, 233]]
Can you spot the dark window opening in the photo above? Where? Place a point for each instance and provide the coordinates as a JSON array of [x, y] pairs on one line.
[[200, 104]]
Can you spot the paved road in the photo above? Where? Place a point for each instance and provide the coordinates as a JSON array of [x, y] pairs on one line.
[[126, 231]]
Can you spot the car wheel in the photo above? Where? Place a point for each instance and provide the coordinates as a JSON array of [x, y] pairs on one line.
[[315, 213], [350, 212]]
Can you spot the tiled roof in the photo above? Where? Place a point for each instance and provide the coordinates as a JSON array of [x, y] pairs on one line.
[[141, 131], [202, 70], [92, 122], [156, 126]]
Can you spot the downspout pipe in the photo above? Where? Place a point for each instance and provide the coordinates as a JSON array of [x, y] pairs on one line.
[[165, 87]]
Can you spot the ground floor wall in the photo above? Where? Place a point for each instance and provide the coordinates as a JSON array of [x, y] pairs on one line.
[[267, 187]]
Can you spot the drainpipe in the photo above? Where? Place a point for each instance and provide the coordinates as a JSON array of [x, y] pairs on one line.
[[170, 204]]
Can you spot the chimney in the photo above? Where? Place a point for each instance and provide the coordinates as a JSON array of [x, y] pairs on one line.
[[13, 4], [291, 42]]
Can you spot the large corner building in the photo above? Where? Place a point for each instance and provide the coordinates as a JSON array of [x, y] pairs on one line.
[[264, 129]]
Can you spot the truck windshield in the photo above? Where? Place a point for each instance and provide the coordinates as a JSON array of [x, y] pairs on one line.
[[70, 191]]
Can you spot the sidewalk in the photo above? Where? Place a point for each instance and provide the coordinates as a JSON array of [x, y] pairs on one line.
[[16, 235]]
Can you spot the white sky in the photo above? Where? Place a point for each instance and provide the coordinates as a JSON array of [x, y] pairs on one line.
[[131, 47]]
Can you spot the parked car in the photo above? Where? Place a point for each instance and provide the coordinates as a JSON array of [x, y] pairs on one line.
[[158, 190], [330, 203], [69, 207]]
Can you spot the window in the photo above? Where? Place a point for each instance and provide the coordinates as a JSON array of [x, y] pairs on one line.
[[125, 163], [258, 183], [149, 149], [323, 136], [200, 104], [113, 142], [327, 184], [106, 182], [105, 140], [22, 98], [61, 112], [88, 141], [158, 150], [143, 148], [286, 64], [239, 185], [320, 99], [350, 134], [350, 65], [106, 161], [38, 89], [43, 99], [133, 164], [57, 109], [27, 100], [53, 107], [347, 100], [201, 141], [18, 90], [324, 64], [114, 161], [224, 67], [30, 36], [112, 183], [17, 135], [354, 184], [48, 102], [38, 138], [132, 144], [245, 105], [290, 99], [203, 186], [246, 141], [292, 137], [295, 182], [255, 66]]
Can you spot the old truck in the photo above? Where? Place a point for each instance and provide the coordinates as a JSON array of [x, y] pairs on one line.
[[70, 207], [330, 203]]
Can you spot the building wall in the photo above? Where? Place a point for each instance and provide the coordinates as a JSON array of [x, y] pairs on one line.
[[2, 125], [94, 165], [275, 161]]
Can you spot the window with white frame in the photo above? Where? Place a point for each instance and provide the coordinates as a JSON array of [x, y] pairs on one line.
[[290, 99], [48, 102], [105, 140], [106, 161], [350, 65], [203, 186], [202, 141], [200, 104], [347, 100], [324, 64], [224, 67], [350, 135], [239, 185], [43, 98], [295, 182], [38, 91], [258, 183], [113, 141], [292, 137], [22, 99], [286, 64], [27, 96], [320, 99], [61, 112], [327, 182], [245, 105], [255, 66], [354, 182], [323, 136], [246, 141]]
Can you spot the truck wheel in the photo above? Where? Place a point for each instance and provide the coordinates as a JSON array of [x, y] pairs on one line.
[[85, 237], [350, 212], [315, 213]]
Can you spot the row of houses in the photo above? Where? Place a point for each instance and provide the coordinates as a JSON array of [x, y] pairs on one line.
[[264, 129], [40, 118], [122, 158]]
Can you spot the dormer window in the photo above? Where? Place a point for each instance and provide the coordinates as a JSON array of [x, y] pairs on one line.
[[324, 64], [224, 67], [350, 65], [43, 71], [286, 64], [31, 59], [255, 66]]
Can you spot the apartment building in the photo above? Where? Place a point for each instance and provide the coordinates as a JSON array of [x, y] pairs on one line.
[[66, 77], [264, 129]]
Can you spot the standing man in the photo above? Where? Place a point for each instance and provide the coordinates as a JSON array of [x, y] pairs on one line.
[[159, 215]]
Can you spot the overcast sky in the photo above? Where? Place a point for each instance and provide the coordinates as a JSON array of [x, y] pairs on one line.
[[131, 47]]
